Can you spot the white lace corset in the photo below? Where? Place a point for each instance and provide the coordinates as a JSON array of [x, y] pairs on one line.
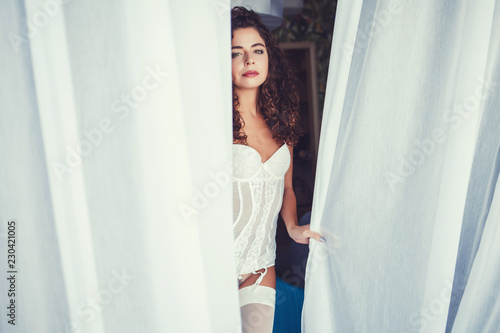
[[257, 198]]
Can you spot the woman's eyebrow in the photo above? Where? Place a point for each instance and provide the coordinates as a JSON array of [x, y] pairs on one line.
[[254, 45]]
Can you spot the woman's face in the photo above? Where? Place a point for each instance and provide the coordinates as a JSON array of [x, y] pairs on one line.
[[249, 57]]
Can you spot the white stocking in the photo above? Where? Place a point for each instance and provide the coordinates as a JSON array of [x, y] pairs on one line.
[[257, 308]]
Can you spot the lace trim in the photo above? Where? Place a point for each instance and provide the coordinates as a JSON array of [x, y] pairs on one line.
[[256, 247], [242, 242]]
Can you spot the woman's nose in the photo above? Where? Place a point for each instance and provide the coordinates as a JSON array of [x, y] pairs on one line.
[[249, 61]]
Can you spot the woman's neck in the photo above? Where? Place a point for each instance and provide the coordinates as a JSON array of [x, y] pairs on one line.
[[248, 101]]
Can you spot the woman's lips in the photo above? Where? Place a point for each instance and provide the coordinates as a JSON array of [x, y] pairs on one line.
[[251, 74]]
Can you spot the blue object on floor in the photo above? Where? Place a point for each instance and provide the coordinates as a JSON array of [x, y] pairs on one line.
[[288, 308]]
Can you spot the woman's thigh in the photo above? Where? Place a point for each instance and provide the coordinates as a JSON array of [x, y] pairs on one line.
[[257, 318], [269, 279], [257, 305]]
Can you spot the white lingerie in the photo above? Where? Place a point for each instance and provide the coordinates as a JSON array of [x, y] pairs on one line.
[[257, 197]]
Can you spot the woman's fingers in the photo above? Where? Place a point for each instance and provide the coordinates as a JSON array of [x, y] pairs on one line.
[[308, 233], [316, 236]]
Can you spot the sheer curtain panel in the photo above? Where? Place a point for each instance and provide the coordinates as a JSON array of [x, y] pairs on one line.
[[407, 171], [116, 148]]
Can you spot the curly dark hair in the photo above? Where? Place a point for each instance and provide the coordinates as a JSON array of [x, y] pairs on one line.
[[278, 99]]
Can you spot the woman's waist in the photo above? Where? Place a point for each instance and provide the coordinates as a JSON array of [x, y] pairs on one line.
[[245, 267]]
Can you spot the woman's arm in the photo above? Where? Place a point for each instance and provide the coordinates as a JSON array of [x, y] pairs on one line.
[[299, 234]]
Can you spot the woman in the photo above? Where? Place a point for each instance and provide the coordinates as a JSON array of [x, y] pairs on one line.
[[265, 129]]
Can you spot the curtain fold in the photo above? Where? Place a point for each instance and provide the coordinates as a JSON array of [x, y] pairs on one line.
[[116, 169], [115, 138], [484, 176], [399, 139]]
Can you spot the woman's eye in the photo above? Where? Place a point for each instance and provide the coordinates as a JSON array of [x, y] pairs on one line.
[[259, 51], [234, 55]]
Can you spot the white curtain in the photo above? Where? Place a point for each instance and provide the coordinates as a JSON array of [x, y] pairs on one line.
[[407, 173], [115, 150], [115, 174]]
